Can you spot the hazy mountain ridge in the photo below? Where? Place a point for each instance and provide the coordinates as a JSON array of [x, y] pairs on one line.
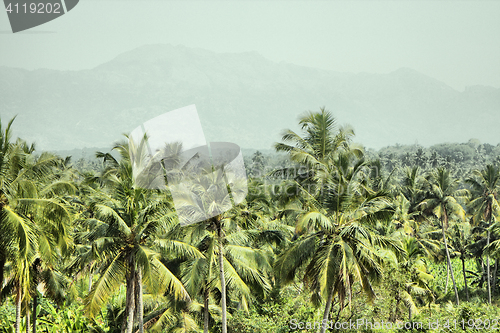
[[243, 98]]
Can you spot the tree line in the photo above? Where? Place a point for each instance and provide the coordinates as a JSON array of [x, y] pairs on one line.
[[85, 250]]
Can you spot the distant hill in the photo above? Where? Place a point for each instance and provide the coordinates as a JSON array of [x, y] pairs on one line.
[[85, 153], [241, 97]]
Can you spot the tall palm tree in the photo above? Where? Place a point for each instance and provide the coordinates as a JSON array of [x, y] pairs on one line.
[[16, 236], [322, 138], [484, 204], [204, 196], [126, 220], [336, 249], [442, 194], [322, 143], [33, 218], [228, 239], [245, 265], [51, 215], [50, 221]]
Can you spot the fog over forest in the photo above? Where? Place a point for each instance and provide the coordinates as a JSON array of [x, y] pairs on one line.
[[242, 98], [351, 184]]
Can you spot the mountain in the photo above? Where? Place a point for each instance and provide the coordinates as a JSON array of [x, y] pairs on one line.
[[241, 97]]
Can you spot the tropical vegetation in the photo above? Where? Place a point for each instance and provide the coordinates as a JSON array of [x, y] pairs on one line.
[[328, 233]]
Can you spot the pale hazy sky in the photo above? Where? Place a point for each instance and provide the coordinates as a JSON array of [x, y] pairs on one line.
[[457, 42]]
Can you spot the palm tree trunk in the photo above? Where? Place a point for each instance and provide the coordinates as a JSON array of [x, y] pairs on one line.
[[445, 220], [19, 297], [128, 320], [2, 266], [139, 300], [222, 278], [206, 315], [27, 317], [482, 271], [395, 312], [35, 305], [90, 282], [488, 276], [494, 278], [328, 307], [447, 279], [465, 278]]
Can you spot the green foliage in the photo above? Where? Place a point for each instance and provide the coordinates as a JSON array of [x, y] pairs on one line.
[[328, 230], [68, 319], [7, 315], [276, 313]]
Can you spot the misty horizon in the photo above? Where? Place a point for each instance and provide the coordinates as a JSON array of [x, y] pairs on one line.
[[256, 97]]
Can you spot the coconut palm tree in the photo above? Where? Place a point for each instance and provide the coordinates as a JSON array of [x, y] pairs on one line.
[[423, 234], [234, 241], [322, 138], [33, 217], [245, 265], [442, 194], [336, 201], [336, 251], [419, 240], [51, 214], [16, 238], [412, 188], [485, 189], [50, 222], [321, 144], [126, 222]]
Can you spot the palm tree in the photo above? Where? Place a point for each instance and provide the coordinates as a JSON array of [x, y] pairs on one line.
[[422, 233], [51, 216], [442, 194], [335, 248], [16, 237], [126, 221], [245, 265], [484, 205], [322, 139], [50, 221], [412, 188], [203, 196], [258, 164], [32, 217], [409, 277], [321, 144], [229, 240], [336, 252]]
